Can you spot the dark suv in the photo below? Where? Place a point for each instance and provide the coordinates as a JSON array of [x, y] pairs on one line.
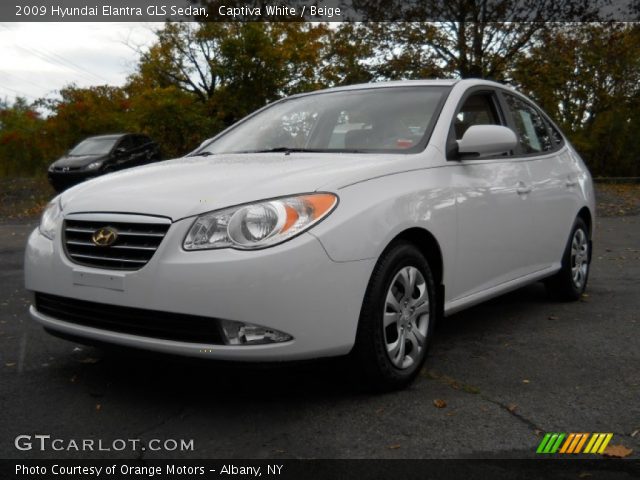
[[96, 156]]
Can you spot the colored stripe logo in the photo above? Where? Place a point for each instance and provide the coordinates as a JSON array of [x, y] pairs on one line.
[[574, 443]]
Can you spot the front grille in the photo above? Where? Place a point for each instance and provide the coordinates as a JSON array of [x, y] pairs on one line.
[[66, 169], [135, 244], [135, 321]]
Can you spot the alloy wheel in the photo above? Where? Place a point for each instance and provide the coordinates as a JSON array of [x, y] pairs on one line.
[[406, 318], [579, 258]]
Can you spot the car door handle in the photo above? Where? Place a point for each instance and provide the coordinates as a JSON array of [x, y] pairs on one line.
[[571, 182], [523, 189]]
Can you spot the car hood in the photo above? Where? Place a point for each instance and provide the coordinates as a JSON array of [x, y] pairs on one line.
[[77, 161], [193, 185]]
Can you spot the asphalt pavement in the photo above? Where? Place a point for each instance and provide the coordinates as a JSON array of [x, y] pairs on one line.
[[503, 373]]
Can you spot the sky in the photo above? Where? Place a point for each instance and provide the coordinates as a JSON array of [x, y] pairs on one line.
[[38, 59]]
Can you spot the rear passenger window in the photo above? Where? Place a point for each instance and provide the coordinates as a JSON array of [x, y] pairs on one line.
[[531, 129], [556, 136], [139, 140], [126, 143]]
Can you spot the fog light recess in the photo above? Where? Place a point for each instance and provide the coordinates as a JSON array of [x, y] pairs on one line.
[[238, 333]]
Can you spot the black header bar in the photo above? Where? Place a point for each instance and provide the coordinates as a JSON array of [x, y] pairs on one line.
[[319, 10]]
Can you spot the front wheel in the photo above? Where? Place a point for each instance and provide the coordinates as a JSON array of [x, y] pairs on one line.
[[396, 320], [571, 281]]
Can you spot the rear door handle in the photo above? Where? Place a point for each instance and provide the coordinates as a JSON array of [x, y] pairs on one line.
[[571, 182]]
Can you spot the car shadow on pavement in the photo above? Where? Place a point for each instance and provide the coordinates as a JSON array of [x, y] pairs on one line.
[[183, 379], [496, 313]]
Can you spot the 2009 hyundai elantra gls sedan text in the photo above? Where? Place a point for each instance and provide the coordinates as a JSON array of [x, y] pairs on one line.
[[344, 221]]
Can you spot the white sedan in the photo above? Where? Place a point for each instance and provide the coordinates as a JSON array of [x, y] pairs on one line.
[[343, 221]]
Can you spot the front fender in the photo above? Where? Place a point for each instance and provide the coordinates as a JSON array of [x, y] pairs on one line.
[[372, 213]]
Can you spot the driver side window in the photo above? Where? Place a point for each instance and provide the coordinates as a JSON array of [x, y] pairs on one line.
[[478, 109], [126, 143]]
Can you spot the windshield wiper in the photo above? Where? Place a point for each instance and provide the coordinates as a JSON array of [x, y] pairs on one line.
[[201, 154], [286, 150]]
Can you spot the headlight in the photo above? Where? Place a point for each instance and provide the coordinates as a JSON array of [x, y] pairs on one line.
[[260, 224], [93, 166], [50, 217]]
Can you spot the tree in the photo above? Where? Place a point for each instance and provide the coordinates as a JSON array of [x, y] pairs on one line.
[[235, 68], [348, 57], [467, 38], [21, 138], [171, 116], [81, 112], [589, 82]]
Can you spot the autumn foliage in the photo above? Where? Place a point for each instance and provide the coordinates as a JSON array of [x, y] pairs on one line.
[[198, 78]]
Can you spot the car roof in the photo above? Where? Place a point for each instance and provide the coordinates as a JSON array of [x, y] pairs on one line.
[[109, 136], [468, 82]]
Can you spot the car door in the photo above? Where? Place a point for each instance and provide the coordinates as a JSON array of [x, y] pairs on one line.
[[138, 152], [493, 205], [554, 179], [123, 153], [147, 149]]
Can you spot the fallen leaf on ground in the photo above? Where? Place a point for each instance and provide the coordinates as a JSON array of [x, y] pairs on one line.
[[379, 411], [553, 317], [526, 381], [438, 403], [10, 364], [393, 447], [617, 451], [90, 360], [98, 407], [584, 475], [512, 407], [471, 389], [635, 433]]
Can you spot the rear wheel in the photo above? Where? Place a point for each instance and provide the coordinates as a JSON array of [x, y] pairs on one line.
[[396, 321], [571, 281]]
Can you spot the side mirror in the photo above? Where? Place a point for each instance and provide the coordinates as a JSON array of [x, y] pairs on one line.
[[487, 140]]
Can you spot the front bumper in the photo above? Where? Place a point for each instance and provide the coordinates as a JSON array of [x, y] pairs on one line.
[[63, 180], [293, 288]]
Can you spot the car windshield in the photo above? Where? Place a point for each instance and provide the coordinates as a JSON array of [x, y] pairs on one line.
[[389, 119], [94, 146]]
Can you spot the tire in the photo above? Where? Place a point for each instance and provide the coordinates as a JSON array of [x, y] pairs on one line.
[[379, 356], [571, 281]]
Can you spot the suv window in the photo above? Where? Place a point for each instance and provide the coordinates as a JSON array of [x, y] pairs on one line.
[[531, 129], [478, 109], [141, 140], [126, 143]]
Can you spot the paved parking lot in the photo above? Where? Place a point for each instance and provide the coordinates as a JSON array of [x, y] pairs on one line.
[[507, 371]]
